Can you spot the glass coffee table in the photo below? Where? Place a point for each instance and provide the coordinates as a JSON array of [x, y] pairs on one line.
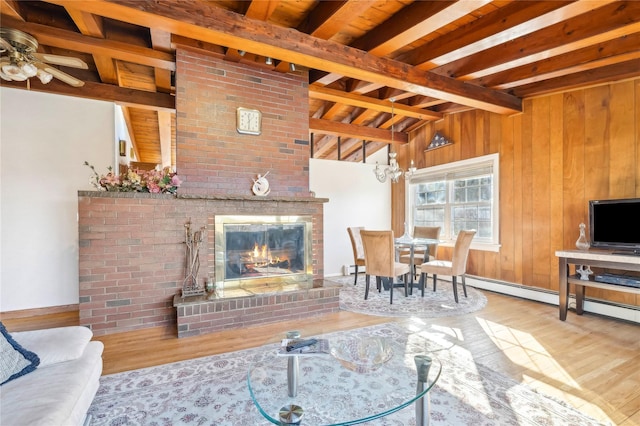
[[340, 388]]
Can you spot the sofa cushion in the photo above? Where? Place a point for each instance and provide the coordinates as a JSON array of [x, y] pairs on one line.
[[15, 361], [47, 343]]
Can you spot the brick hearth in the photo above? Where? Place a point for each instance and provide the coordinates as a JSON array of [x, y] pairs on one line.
[[205, 314]]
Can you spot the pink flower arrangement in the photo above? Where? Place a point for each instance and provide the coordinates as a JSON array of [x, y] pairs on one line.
[[132, 180]]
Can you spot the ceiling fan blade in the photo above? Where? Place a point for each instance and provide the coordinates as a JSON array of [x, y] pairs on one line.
[[62, 76], [66, 61], [5, 45]]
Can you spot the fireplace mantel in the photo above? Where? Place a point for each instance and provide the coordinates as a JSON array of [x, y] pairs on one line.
[[220, 197], [255, 198]]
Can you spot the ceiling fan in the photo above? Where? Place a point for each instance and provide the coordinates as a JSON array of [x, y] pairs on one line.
[[21, 61]]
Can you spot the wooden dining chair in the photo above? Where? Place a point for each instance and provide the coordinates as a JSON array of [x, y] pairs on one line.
[[358, 250], [422, 256], [379, 259], [456, 267]]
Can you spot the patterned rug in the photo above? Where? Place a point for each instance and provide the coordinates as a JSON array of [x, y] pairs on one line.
[[213, 390], [434, 304]]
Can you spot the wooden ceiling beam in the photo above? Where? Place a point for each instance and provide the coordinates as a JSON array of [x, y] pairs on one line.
[[103, 92], [611, 52], [330, 17], [11, 8], [405, 27], [323, 143], [327, 19], [236, 31], [261, 10], [213, 49], [617, 72], [605, 23], [412, 23], [361, 87], [87, 23], [161, 40], [514, 19], [318, 92], [323, 77], [358, 132], [50, 36], [362, 117], [92, 25]]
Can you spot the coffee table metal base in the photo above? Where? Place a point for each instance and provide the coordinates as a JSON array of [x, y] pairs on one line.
[[292, 414]]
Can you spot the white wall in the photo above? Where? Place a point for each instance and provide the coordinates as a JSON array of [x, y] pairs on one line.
[[44, 142], [356, 198]]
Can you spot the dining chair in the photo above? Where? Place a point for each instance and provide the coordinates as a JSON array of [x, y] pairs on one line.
[[421, 256], [379, 260], [358, 250], [457, 266]]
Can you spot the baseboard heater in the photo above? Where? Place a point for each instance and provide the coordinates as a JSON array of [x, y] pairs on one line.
[[351, 269]]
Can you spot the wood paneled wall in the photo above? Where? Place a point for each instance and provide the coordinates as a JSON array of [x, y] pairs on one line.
[[562, 151]]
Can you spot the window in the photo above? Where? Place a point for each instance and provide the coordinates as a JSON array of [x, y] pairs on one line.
[[457, 196]]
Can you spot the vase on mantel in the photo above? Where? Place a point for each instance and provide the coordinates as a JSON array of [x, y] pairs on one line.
[[582, 243]]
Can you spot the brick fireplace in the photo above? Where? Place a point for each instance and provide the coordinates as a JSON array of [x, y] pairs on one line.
[[132, 250]]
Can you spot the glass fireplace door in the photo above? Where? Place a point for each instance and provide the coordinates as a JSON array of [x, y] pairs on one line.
[[262, 249]]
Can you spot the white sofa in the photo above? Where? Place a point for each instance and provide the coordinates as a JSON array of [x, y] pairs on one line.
[[61, 389]]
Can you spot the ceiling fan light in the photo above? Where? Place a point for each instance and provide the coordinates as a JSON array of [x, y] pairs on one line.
[[28, 69], [5, 76], [44, 76], [11, 70], [18, 77]]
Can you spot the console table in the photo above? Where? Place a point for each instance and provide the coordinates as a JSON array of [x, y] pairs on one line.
[[598, 258]]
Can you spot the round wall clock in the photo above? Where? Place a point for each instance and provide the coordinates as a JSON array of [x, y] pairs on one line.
[[248, 121]]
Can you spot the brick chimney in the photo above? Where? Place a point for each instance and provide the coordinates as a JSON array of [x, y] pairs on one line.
[[212, 157]]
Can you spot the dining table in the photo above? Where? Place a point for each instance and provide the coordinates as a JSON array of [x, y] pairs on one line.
[[407, 241]]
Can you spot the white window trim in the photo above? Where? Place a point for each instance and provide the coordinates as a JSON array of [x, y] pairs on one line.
[[420, 174]]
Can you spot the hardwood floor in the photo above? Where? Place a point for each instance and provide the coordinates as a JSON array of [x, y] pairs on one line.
[[589, 361]]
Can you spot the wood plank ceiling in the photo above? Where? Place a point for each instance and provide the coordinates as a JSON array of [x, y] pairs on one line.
[[429, 57]]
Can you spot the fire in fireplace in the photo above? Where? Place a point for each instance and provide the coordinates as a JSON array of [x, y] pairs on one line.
[[254, 250]]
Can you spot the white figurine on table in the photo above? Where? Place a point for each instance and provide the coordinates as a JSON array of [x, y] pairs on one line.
[[584, 271]]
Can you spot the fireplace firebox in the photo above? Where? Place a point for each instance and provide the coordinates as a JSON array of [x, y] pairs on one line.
[[262, 250]]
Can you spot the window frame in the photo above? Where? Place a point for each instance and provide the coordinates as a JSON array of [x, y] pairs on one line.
[[491, 161]]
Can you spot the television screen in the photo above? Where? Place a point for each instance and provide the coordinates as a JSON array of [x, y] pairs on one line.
[[615, 224]]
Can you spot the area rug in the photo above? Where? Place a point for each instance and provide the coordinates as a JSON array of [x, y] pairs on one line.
[[433, 305], [213, 390]]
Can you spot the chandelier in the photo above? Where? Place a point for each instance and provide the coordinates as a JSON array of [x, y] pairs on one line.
[[20, 60], [393, 171]]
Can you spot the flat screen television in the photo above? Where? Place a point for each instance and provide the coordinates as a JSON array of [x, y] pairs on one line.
[[615, 224]]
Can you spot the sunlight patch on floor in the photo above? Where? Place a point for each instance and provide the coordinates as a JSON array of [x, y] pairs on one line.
[[524, 350], [416, 324], [449, 350], [534, 366]]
